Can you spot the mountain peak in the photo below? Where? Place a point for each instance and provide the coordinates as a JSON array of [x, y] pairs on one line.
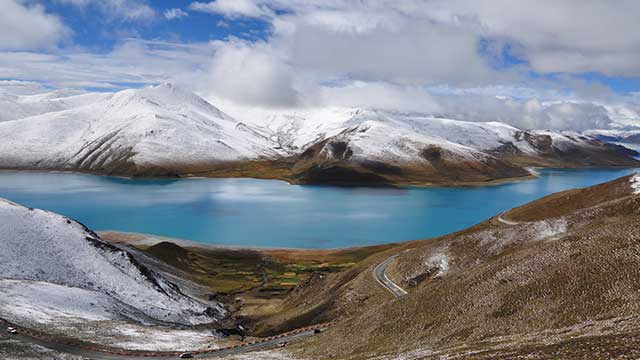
[[167, 96]]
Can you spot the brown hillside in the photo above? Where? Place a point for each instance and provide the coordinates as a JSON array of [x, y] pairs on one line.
[[562, 286]]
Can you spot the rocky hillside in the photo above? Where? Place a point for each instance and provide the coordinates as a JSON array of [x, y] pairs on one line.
[[167, 131], [556, 278], [52, 257]]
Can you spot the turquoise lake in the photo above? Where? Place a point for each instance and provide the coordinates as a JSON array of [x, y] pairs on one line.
[[264, 213]]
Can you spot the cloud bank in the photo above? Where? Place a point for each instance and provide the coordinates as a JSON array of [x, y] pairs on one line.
[[482, 60]]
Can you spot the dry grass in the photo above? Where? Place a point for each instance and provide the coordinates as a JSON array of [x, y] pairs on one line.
[[508, 291]]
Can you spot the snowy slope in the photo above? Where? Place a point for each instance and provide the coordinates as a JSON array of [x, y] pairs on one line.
[[73, 312], [13, 107], [158, 126], [48, 303], [383, 135], [41, 246]]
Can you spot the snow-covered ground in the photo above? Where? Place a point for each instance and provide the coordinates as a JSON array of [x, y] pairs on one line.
[[136, 337], [635, 183], [383, 135], [263, 355], [36, 302], [14, 107], [46, 248], [75, 312]]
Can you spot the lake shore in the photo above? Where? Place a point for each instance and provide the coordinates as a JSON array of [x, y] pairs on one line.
[[148, 240]]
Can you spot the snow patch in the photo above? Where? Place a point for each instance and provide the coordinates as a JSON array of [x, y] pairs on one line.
[[434, 266], [547, 229], [409, 355], [159, 339], [439, 260], [635, 183], [263, 355]]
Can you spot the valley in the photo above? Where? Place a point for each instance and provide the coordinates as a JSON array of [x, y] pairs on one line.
[[571, 253]]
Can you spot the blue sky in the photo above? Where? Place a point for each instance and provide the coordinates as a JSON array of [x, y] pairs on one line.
[[312, 52], [95, 31]]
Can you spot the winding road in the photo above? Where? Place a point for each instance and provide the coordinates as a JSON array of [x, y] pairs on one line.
[[507, 222], [94, 352], [382, 278], [395, 289]]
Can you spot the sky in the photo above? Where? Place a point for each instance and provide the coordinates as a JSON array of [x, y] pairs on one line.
[[532, 63]]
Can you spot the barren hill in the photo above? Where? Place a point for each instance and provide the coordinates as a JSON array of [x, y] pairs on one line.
[[559, 280]]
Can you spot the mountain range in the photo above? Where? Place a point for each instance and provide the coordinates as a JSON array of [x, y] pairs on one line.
[[166, 131]]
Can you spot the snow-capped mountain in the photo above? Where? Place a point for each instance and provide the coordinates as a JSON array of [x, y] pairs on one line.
[[152, 130], [389, 136], [38, 248], [414, 148], [163, 130]]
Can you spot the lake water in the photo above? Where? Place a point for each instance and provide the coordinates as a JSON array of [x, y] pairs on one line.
[[264, 213]]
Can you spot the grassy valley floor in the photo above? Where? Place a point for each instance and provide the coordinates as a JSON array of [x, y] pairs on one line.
[[255, 283]]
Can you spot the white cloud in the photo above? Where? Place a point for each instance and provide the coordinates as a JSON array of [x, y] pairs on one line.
[[127, 10], [526, 113], [417, 56], [572, 36], [233, 8], [171, 14], [554, 36], [413, 52], [380, 95], [251, 74], [28, 26], [18, 87], [311, 44], [131, 62]]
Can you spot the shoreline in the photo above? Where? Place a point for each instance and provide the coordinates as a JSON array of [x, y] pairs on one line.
[[142, 239], [398, 184], [533, 174]]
